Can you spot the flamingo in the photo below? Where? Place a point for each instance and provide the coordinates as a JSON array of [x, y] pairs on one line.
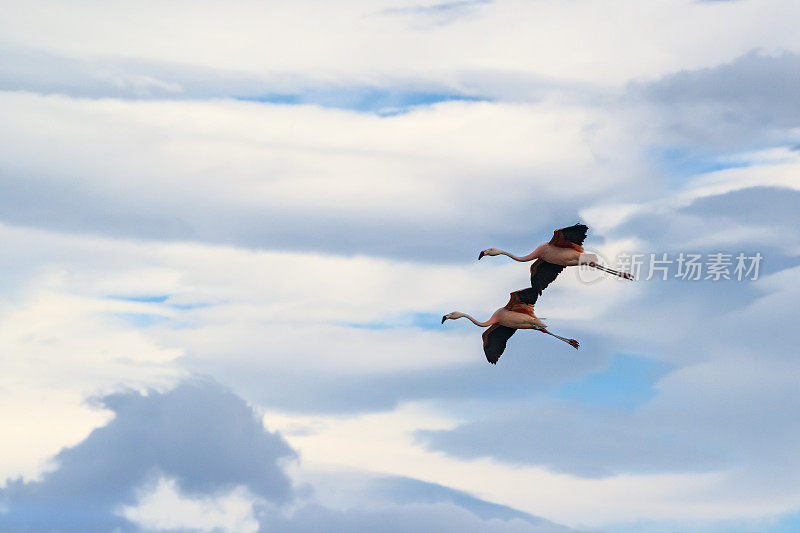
[[563, 250], [517, 314]]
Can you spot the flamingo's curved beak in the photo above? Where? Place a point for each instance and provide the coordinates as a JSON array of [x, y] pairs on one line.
[[444, 318], [480, 255]]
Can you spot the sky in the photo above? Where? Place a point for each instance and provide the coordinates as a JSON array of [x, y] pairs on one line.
[[230, 230]]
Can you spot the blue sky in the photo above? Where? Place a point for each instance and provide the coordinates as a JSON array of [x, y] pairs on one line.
[[627, 383], [230, 231]]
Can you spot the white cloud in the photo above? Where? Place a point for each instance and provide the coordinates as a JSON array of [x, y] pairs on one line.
[[231, 301], [384, 443], [607, 43], [217, 188], [58, 350], [164, 507], [430, 183]]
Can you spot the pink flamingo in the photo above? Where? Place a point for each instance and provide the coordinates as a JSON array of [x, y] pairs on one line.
[[563, 250], [517, 314]]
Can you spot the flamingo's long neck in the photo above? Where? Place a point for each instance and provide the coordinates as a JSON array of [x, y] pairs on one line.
[[481, 324], [528, 257]]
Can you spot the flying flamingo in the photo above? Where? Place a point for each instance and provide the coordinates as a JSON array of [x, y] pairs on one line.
[[563, 250], [517, 314]]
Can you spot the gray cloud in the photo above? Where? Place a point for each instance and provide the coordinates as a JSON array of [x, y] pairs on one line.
[[438, 517], [200, 434], [388, 501], [59, 205], [38, 71], [588, 442], [768, 84], [405, 491], [774, 208], [44, 72], [126, 173], [769, 214], [210, 441], [749, 101], [534, 365]]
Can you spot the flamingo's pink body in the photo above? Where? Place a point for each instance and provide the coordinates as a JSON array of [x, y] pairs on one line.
[[558, 255], [516, 315]]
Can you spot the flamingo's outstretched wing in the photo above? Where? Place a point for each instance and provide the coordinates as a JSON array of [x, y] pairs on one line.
[[566, 237], [494, 341], [542, 275], [542, 272]]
